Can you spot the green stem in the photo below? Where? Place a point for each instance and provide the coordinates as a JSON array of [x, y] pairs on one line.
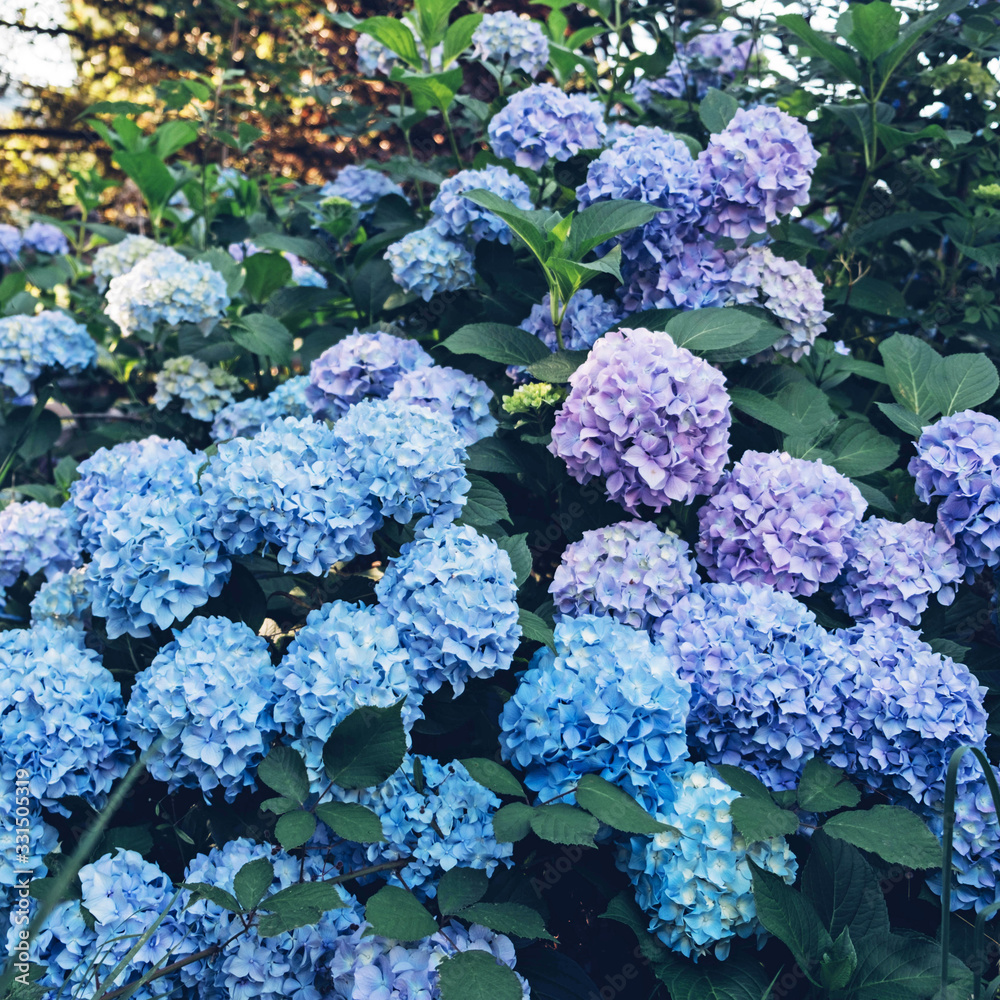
[[451, 136]]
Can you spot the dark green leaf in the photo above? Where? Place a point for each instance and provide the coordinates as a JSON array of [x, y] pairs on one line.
[[366, 748], [823, 788], [434, 90], [603, 220], [724, 981], [894, 967], [948, 648], [858, 450], [529, 225], [564, 824], [760, 820], [765, 336], [513, 919], [279, 805], [838, 57], [557, 368], [613, 806], [507, 345], [266, 273], [534, 628], [37, 435], [871, 28], [484, 504], [496, 455], [904, 419], [260, 333], [174, 135], [150, 174], [911, 367], [459, 36], [747, 784], [838, 963], [717, 109], [202, 890], [516, 546], [298, 906], [893, 833], [459, 888], [352, 821], [512, 822], [293, 829], [284, 770], [963, 381], [623, 909], [397, 914], [711, 329], [476, 975], [493, 776], [252, 881], [222, 262], [874, 296]]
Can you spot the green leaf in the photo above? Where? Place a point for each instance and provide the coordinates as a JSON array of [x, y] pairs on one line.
[[557, 368], [572, 276], [893, 833], [202, 890], [790, 917], [759, 820], [114, 108], [948, 648], [843, 888], [623, 909], [512, 822], [534, 628], [837, 965], [616, 808], [284, 770], [495, 455], [366, 748], [507, 345], [894, 967], [398, 914], [711, 329], [963, 381], [838, 57], [527, 224], [476, 975], [800, 409], [873, 296], [717, 109], [493, 776], [393, 34], [263, 334], [823, 788], [434, 90], [458, 37], [251, 882], [763, 337], [266, 273], [459, 888], [432, 18], [222, 262], [352, 821], [858, 450], [723, 981], [563, 824], [172, 136], [870, 28], [910, 365], [484, 504], [747, 784], [603, 220], [293, 829], [279, 805], [516, 546], [298, 906], [150, 174], [904, 419], [512, 919]]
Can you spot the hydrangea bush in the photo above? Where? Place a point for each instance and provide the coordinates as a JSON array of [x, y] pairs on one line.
[[556, 562]]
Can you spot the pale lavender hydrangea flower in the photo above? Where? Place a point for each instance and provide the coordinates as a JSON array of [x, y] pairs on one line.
[[361, 187], [460, 397], [712, 59], [43, 237], [250, 416], [512, 40], [779, 520], [649, 416], [543, 123], [425, 262], [757, 169], [455, 216]]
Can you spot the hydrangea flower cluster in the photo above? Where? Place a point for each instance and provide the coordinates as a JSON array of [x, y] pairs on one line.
[[511, 40], [712, 59], [361, 187], [456, 217], [608, 701], [29, 344], [344, 657], [17, 855], [203, 391], [43, 237], [588, 316], [36, 538], [543, 123], [374, 58], [693, 880], [676, 274], [531, 398], [632, 571], [758, 168], [165, 287], [63, 601], [249, 416], [787, 289], [649, 416], [446, 825], [116, 259], [425, 262], [210, 695], [452, 594], [958, 459], [450, 393], [779, 520], [289, 487], [763, 677], [360, 366], [10, 244], [893, 570], [61, 717]]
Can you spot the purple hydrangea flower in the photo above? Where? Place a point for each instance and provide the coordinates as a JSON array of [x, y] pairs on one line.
[[10, 243], [43, 237], [650, 416], [712, 59], [893, 570], [779, 520], [632, 571], [588, 316], [512, 40], [449, 392], [757, 169], [543, 123], [360, 366], [361, 187], [455, 216], [425, 262], [671, 273]]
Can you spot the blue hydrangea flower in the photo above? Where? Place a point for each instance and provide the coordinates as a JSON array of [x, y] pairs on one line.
[[632, 571], [649, 416], [455, 216], [116, 259], [22, 848], [36, 538], [130, 469], [360, 366], [61, 717], [448, 392], [203, 391], [711, 59], [509, 39], [63, 601], [754, 171], [10, 244], [29, 344], [543, 123], [425, 262], [155, 561], [290, 487], [958, 459], [210, 695], [249, 416], [453, 596], [446, 825], [588, 316], [43, 237], [608, 701], [779, 520], [406, 458], [893, 570], [165, 287], [361, 187], [344, 657], [374, 58], [787, 289], [693, 880], [671, 273], [763, 677]]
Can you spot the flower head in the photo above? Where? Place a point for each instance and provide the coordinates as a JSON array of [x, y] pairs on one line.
[[116, 259], [36, 538], [203, 390], [63, 601], [588, 316], [456, 216], [361, 187], [425, 262], [43, 237], [11, 243], [49, 339], [512, 40], [249, 416], [453, 394]]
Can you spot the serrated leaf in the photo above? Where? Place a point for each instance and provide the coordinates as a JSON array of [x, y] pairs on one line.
[[251, 882], [726, 981], [616, 808], [948, 648], [963, 381], [893, 833], [458, 37], [484, 503], [495, 455], [202, 890], [871, 30], [262, 334], [838, 57], [717, 109], [284, 770], [266, 273], [557, 368], [837, 965], [279, 805], [366, 748], [911, 367], [398, 914], [476, 975], [601, 221], [512, 919], [904, 419], [512, 822], [564, 824], [711, 329], [823, 788], [461, 887], [894, 967], [293, 829], [529, 225], [506, 345], [493, 776], [759, 820], [516, 546], [298, 906], [352, 821], [534, 628], [858, 450]]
